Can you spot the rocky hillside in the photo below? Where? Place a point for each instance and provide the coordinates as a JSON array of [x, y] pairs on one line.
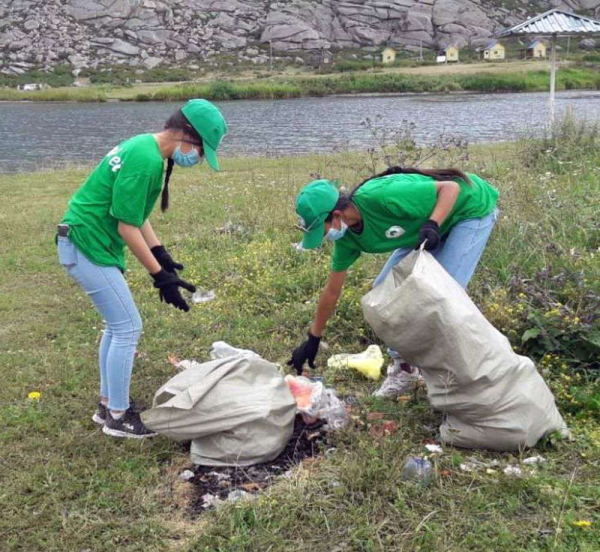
[[91, 33]]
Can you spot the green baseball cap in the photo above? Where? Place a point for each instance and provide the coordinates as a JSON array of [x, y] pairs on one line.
[[314, 202], [209, 123]]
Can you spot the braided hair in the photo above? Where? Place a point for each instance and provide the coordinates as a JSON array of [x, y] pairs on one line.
[[177, 121]]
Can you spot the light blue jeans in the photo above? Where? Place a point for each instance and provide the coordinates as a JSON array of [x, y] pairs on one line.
[[459, 252], [110, 294]]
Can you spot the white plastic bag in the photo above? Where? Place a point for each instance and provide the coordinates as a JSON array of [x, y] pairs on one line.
[[315, 402]]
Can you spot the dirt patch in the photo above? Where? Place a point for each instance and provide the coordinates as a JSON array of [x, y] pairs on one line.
[[217, 485]]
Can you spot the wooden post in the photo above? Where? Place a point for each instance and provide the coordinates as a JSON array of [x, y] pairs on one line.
[[552, 78]]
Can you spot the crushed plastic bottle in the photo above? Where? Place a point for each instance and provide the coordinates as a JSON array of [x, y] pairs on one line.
[[417, 469], [203, 296]]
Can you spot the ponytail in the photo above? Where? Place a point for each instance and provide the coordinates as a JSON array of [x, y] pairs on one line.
[[436, 174], [164, 200], [177, 121]]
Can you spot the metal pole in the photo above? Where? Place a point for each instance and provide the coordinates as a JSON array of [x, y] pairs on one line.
[[568, 46], [270, 56], [420, 50], [552, 79]]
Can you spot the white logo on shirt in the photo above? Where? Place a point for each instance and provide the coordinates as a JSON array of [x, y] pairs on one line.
[[394, 232], [116, 163]]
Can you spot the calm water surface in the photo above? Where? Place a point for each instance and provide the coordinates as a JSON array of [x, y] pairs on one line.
[[34, 135]]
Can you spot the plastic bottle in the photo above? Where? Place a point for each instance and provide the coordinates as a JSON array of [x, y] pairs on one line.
[[418, 469]]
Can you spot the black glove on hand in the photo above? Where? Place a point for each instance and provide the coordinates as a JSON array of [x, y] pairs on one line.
[[305, 352], [430, 231], [168, 285], [165, 260]]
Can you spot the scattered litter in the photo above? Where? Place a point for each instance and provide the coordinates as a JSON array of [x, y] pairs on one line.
[[215, 485], [387, 428], [445, 473], [203, 296], [233, 228], [582, 523], [368, 363], [434, 449], [298, 247], [186, 475], [417, 469], [316, 402], [220, 349], [514, 471], [473, 464], [490, 471], [209, 500], [532, 460], [34, 396], [236, 495]]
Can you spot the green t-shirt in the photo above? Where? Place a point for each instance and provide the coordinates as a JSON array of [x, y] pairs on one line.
[[394, 207], [124, 186]]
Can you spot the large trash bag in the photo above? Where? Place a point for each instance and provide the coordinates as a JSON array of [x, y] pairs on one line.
[[238, 411], [492, 398]]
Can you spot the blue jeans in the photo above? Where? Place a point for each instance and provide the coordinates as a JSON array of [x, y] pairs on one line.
[[459, 252], [110, 294]]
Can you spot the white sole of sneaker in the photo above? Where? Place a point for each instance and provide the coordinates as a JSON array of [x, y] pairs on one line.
[[97, 419], [124, 435]]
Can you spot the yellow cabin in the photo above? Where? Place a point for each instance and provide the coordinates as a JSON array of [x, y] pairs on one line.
[[451, 53], [493, 51], [537, 49], [388, 56]]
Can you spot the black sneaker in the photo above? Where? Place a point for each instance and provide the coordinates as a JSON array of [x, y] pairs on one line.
[[99, 416], [129, 426]]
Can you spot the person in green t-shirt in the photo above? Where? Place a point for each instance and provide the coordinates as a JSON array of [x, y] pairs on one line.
[[451, 212], [110, 212]]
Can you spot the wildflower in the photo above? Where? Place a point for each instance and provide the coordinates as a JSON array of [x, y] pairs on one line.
[[582, 523], [34, 396]]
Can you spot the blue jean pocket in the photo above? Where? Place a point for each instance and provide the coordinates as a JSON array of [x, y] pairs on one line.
[[67, 252]]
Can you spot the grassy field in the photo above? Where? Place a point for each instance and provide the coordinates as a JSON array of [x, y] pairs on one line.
[[517, 76], [65, 486]]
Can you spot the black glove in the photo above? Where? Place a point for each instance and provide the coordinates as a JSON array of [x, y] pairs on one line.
[[430, 231], [165, 260], [305, 352], [168, 285]]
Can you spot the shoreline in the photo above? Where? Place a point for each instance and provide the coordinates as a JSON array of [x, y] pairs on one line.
[[342, 84]]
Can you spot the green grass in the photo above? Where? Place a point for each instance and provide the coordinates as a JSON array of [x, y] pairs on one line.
[[65, 486], [324, 85]]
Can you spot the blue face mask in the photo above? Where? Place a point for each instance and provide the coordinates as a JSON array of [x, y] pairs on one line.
[[188, 159], [335, 234]]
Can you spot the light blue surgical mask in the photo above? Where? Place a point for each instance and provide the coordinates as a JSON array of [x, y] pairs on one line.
[[188, 159], [335, 234]]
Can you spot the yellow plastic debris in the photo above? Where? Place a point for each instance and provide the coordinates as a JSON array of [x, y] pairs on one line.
[[368, 363], [34, 396], [582, 523]]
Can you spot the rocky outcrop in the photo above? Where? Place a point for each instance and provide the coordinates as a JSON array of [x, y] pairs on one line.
[[146, 33]]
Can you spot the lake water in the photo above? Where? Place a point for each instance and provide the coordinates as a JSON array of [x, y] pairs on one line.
[[34, 135]]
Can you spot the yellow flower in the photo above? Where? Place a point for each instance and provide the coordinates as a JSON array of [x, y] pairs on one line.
[[34, 396], [582, 523]]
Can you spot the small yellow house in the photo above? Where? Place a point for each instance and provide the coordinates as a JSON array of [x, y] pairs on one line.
[[388, 56], [450, 53], [494, 50], [537, 49]]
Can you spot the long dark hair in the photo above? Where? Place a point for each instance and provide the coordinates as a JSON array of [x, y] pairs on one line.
[[177, 121], [437, 174]]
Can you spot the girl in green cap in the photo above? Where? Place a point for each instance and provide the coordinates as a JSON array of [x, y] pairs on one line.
[[397, 210], [110, 211]]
